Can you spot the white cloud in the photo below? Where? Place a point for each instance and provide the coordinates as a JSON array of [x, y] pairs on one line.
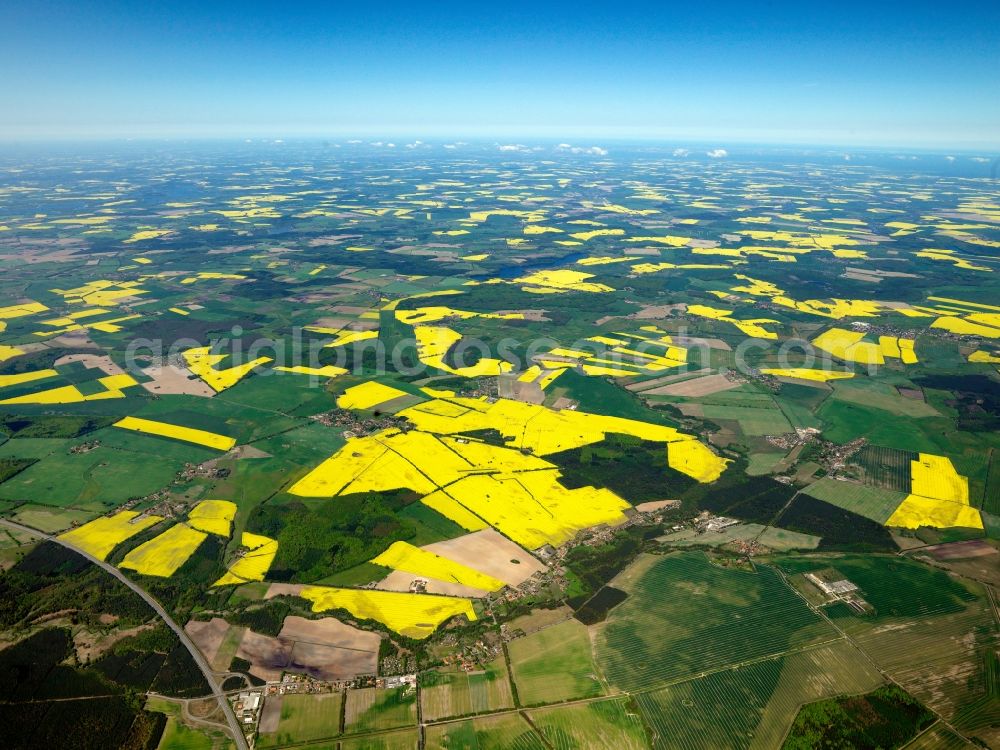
[[592, 150], [980, 159], [355, 140], [450, 145], [512, 147], [717, 153], [950, 158], [681, 152]]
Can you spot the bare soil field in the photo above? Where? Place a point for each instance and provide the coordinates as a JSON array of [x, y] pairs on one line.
[[697, 387], [175, 380], [653, 505], [644, 385], [270, 715], [530, 393], [283, 589], [329, 662], [208, 636], [489, 552], [692, 410], [962, 550], [400, 580], [329, 631], [540, 618], [71, 340], [697, 341], [269, 656], [325, 649]]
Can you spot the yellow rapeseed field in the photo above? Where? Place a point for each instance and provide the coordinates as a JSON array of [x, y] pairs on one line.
[[100, 536], [804, 373], [162, 555], [916, 511], [254, 564], [984, 357], [327, 371], [19, 311], [70, 394], [433, 344], [537, 428], [146, 234], [694, 459], [213, 516], [201, 362], [7, 352], [939, 497], [26, 377], [561, 281], [406, 557], [510, 487], [848, 346], [752, 328], [453, 510], [413, 615], [966, 327], [187, 434], [368, 394]]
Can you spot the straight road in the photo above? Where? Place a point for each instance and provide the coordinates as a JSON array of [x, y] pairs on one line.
[[227, 710]]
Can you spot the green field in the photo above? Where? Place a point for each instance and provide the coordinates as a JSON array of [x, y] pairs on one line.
[[753, 421], [763, 463], [368, 709], [612, 723], [686, 615], [304, 718], [107, 476], [554, 664], [867, 391], [50, 519], [178, 735], [871, 502]]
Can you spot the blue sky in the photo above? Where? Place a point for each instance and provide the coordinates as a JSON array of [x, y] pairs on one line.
[[895, 74]]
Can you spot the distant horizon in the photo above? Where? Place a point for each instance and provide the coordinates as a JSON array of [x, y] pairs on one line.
[[523, 143]]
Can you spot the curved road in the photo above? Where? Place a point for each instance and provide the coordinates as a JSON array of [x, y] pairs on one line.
[[203, 665]]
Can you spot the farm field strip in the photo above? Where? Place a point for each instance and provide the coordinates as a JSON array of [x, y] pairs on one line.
[[369, 709], [461, 693]]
